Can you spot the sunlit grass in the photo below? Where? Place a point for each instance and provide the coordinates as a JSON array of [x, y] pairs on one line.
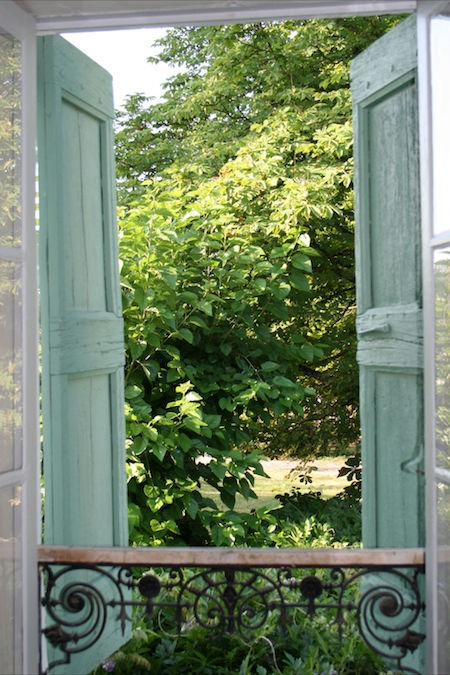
[[282, 479]]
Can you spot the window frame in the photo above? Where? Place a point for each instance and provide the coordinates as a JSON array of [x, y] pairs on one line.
[[426, 11], [25, 27], [22, 27]]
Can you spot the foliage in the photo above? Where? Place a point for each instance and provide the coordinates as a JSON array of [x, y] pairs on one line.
[[352, 469], [307, 516], [308, 646], [265, 110], [205, 306], [233, 77], [237, 265], [337, 519]]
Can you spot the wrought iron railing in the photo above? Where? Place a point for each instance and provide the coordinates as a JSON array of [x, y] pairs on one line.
[[233, 591]]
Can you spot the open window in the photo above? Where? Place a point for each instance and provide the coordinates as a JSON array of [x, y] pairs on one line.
[[82, 329], [74, 391]]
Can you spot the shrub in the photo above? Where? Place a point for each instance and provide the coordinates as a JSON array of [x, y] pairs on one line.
[[205, 303]]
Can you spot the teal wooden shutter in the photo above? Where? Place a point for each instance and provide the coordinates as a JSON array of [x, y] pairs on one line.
[[82, 328], [389, 298]]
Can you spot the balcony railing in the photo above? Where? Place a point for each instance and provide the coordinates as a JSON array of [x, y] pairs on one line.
[[228, 590]]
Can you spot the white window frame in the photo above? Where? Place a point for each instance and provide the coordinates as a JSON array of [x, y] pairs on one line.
[[24, 27], [20, 25], [194, 12], [426, 11]]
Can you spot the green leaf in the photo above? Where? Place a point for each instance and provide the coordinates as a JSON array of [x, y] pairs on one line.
[[299, 281], [228, 498], [301, 262], [193, 424], [207, 503], [269, 366], [213, 421], [204, 307], [138, 446], [178, 457], [150, 368], [141, 298], [134, 516], [132, 391], [260, 284], [150, 432], [191, 505], [136, 348], [197, 320], [307, 351], [173, 375], [279, 251], [164, 211], [218, 469], [159, 450], [186, 334], [281, 291], [170, 276], [225, 403], [153, 340], [193, 396], [185, 442], [188, 296]]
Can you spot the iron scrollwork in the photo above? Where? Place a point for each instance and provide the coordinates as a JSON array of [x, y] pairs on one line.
[[80, 600]]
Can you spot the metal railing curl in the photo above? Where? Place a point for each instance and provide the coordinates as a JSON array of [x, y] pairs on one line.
[[233, 591]]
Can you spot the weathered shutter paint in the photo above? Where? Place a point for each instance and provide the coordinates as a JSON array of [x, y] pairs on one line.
[[82, 328], [389, 298]]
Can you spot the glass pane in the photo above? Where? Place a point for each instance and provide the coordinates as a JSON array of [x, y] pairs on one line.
[[10, 140], [442, 364], [10, 581], [442, 346], [10, 367], [443, 512], [440, 56]]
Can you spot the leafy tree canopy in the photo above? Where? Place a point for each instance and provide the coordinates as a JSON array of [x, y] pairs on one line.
[[233, 77], [237, 254]]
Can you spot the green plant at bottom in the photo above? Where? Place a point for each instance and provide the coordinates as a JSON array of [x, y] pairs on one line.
[[306, 645], [310, 647]]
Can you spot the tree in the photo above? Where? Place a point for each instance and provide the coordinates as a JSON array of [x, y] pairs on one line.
[[237, 248], [207, 299]]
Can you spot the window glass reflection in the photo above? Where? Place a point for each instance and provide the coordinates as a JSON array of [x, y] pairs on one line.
[[10, 140], [440, 92], [442, 363], [10, 367], [10, 561], [443, 521]]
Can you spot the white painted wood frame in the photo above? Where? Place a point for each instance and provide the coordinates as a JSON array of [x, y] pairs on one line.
[[25, 477], [63, 16], [427, 9], [21, 24]]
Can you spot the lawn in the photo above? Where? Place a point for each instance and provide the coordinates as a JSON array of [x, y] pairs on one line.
[[282, 477]]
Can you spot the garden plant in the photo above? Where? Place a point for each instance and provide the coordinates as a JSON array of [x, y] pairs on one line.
[[236, 248]]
